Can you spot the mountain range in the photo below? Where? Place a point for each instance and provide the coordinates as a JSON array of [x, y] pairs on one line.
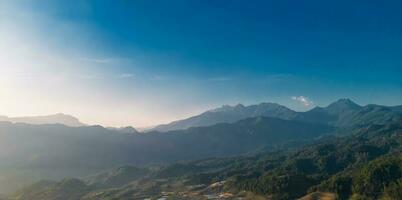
[[229, 114], [59, 118], [366, 164], [342, 113], [53, 151], [56, 151]]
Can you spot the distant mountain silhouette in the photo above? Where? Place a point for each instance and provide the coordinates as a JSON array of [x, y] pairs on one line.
[[346, 113], [59, 118], [127, 129], [56, 150], [365, 164], [396, 108], [342, 113], [230, 114], [342, 105]]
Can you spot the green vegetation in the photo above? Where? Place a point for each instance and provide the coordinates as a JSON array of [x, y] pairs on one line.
[[343, 151], [364, 165], [58, 151]]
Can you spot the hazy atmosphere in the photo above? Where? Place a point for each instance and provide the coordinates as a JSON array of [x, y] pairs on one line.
[[143, 63], [200, 100]]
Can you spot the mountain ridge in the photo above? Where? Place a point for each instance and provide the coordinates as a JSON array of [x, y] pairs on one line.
[[59, 118], [76, 151], [332, 114], [228, 114], [362, 165]]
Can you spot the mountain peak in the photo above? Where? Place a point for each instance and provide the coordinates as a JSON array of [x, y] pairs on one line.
[[346, 101], [226, 108], [239, 105], [342, 105], [127, 129], [268, 104], [230, 114]]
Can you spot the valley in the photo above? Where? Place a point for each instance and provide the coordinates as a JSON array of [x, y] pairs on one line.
[[260, 157]]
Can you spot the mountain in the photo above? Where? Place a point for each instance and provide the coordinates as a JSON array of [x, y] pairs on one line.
[[53, 151], [342, 113], [116, 177], [127, 129], [397, 109], [229, 114], [338, 113], [40, 145], [346, 113], [342, 106], [366, 164], [59, 118], [69, 189], [56, 151]]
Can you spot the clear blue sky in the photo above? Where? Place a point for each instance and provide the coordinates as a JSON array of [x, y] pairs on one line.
[[147, 62]]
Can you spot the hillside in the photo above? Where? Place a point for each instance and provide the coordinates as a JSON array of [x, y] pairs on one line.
[[56, 151], [364, 165]]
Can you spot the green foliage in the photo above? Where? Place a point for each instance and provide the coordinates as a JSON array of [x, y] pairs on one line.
[[343, 166], [363, 166], [116, 177], [377, 175], [338, 184], [393, 191], [68, 189]]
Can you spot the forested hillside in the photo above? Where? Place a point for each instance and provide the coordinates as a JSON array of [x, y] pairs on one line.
[[364, 165], [36, 152]]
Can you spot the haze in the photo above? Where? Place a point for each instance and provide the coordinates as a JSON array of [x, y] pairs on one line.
[[141, 63]]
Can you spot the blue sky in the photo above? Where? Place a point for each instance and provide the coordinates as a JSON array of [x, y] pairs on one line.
[[148, 62]]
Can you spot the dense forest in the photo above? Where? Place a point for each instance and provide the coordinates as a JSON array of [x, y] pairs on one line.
[[367, 164]]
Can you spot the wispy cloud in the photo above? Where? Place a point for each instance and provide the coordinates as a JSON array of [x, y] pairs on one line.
[[303, 100], [126, 75]]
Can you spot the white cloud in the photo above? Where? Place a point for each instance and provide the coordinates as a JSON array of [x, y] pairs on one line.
[[304, 100]]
